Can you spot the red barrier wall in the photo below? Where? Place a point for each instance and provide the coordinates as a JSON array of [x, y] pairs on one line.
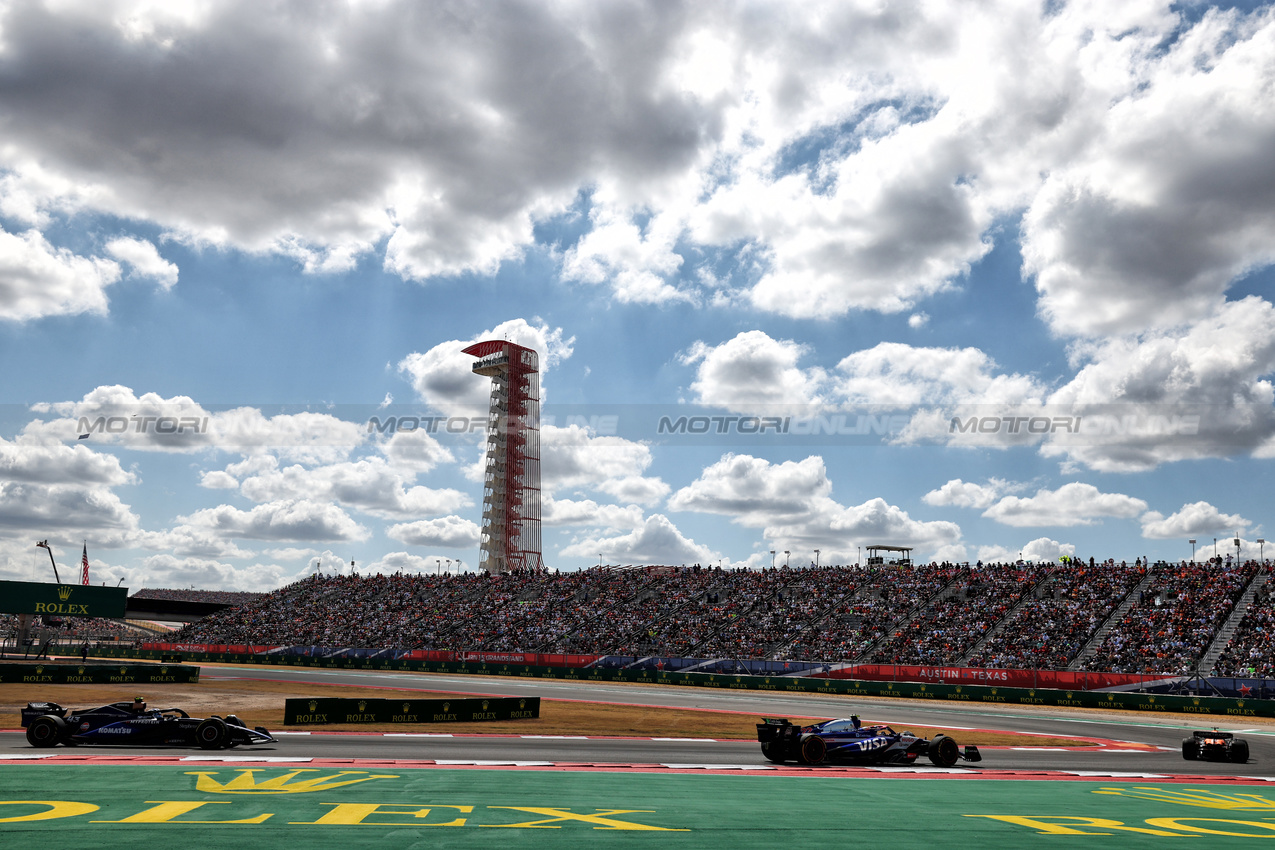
[[1062, 679]]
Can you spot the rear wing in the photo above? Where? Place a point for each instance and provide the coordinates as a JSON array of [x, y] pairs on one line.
[[39, 709]]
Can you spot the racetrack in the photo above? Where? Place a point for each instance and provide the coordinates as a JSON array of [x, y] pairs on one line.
[[1136, 744]]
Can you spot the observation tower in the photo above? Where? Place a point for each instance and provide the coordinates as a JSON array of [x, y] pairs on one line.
[[511, 483]]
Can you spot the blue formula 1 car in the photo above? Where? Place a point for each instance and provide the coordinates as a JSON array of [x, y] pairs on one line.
[[49, 724], [850, 742]]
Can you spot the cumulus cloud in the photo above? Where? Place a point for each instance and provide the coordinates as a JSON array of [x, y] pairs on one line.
[[370, 485], [443, 376], [752, 372], [1197, 518], [655, 541], [38, 279], [449, 532], [588, 513], [299, 520], [853, 158], [144, 260], [791, 503], [1040, 550], [574, 457], [965, 494], [1071, 504], [117, 416]]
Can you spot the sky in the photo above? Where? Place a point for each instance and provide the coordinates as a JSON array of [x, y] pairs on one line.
[[988, 280]]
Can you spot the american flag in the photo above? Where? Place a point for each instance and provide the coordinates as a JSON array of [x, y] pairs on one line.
[[84, 565]]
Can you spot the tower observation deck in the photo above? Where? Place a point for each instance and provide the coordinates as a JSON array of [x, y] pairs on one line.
[[511, 483]]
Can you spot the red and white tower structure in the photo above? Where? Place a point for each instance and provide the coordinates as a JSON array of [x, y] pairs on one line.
[[511, 485]]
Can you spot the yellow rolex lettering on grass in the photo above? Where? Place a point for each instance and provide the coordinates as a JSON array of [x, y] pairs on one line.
[[247, 783], [352, 814], [167, 811], [602, 820]]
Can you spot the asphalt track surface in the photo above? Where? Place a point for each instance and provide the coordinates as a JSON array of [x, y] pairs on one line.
[[1137, 744]]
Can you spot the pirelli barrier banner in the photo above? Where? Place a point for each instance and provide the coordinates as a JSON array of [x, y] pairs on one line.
[[910, 690], [298, 712], [97, 674]]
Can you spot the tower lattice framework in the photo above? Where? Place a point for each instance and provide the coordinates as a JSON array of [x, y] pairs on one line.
[[511, 484]]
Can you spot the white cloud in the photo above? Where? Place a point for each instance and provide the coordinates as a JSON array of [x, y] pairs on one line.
[[573, 457], [899, 375], [1198, 518], [38, 279], [636, 489], [656, 541], [791, 503], [1070, 505], [144, 260], [918, 320], [117, 416], [449, 532], [443, 377], [56, 464], [1214, 372], [752, 372], [286, 520], [588, 513], [965, 494], [370, 485]]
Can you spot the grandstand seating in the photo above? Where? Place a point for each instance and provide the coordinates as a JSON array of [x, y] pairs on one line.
[[994, 615]]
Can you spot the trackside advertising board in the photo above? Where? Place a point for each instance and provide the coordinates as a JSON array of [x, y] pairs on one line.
[[297, 712], [62, 600], [97, 674]]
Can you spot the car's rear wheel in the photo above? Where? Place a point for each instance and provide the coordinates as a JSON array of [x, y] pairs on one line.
[[943, 751], [1239, 751], [46, 731], [211, 734], [1190, 749], [814, 750], [773, 752]]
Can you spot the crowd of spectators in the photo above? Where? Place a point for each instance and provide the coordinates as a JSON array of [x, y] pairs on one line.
[[1174, 619], [222, 597], [1050, 630], [1251, 650], [934, 614], [942, 633]]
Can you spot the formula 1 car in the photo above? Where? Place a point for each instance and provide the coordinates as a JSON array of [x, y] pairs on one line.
[[850, 742], [1215, 746], [49, 724]]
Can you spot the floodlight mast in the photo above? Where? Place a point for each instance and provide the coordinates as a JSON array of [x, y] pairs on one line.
[[511, 481]]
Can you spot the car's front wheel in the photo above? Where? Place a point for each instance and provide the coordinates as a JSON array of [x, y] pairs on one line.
[[46, 731], [943, 751], [211, 734]]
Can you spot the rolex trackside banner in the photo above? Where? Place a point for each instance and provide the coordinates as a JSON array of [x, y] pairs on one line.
[[62, 600], [467, 710]]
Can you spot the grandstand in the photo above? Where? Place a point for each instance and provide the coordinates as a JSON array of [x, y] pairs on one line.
[[1161, 618]]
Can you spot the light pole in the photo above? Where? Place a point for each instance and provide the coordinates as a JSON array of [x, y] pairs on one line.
[[1237, 548], [1192, 542], [858, 561], [449, 565], [1214, 547], [772, 559], [816, 559], [786, 553], [1261, 545], [599, 559], [438, 565]]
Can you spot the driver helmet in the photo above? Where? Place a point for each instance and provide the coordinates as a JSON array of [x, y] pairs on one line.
[[139, 704]]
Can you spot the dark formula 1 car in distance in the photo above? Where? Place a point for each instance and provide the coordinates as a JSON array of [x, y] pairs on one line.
[[1215, 746], [850, 742], [49, 724]]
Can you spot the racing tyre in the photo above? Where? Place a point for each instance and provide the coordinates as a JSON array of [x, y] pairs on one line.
[[773, 752], [211, 734], [1190, 749], [813, 750], [943, 751], [1239, 751], [46, 731]]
